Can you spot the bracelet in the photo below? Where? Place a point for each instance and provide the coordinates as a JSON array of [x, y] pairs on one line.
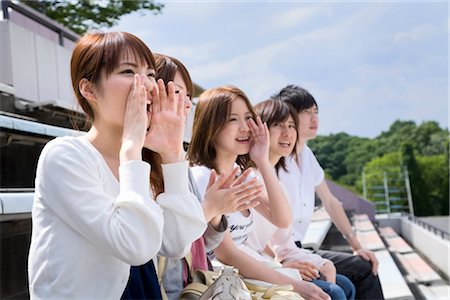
[[349, 235]]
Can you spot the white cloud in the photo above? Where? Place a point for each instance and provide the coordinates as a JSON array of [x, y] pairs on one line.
[[419, 32], [367, 64]]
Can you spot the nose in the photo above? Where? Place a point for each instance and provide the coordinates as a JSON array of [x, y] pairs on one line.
[[149, 82], [285, 131], [187, 102], [243, 126]]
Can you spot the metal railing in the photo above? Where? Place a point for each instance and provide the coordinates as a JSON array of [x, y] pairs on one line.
[[427, 226]]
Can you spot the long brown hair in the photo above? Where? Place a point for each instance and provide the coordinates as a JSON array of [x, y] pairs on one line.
[[275, 111], [211, 116]]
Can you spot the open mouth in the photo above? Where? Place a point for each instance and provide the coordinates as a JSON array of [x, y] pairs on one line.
[[285, 144], [243, 139]]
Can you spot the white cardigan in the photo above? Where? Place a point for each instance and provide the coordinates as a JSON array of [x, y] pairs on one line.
[[88, 228]]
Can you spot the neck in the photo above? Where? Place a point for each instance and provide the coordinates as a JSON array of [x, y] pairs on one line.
[[225, 162], [300, 144], [274, 158], [107, 141]]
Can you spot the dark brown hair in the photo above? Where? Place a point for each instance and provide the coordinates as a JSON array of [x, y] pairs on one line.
[[211, 116], [273, 112], [166, 67]]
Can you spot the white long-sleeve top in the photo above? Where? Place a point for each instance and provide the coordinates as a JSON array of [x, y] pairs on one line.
[[88, 228]]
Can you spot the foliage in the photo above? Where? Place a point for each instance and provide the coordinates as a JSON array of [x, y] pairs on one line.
[[83, 15], [424, 149], [435, 171]]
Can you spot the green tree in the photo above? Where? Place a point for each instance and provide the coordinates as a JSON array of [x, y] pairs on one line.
[[83, 15], [435, 171], [421, 201]]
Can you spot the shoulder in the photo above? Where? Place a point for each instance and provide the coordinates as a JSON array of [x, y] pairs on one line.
[[199, 172], [66, 149]]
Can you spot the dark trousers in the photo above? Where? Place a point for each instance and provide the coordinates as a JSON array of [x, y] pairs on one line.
[[143, 283], [358, 271]]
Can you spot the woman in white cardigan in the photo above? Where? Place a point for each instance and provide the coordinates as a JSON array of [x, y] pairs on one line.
[[93, 214]]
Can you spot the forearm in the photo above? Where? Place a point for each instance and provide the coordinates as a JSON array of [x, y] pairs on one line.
[[337, 214], [277, 206], [252, 268]]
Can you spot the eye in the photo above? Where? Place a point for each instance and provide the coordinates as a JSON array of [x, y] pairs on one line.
[[151, 74], [232, 119], [127, 71]]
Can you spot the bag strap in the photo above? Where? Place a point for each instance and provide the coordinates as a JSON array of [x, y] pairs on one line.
[[193, 291], [162, 264]]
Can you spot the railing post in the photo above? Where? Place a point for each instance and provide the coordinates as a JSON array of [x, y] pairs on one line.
[[5, 5]]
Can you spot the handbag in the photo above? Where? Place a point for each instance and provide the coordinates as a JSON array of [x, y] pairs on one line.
[[261, 290], [210, 285]]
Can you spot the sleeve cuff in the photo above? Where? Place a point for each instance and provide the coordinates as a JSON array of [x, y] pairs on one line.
[[135, 176], [176, 177]]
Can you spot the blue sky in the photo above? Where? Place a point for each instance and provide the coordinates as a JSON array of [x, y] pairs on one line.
[[366, 63]]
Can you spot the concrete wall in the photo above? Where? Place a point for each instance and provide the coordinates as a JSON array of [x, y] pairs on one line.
[[434, 247], [36, 67]]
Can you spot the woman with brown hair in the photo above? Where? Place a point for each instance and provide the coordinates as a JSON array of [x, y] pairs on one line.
[[93, 213], [227, 133]]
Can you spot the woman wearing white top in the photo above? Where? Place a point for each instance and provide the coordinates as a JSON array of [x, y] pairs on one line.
[[224, 134], [281, 118], [93, 215]]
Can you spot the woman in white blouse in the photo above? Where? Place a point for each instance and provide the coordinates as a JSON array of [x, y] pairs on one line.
[[93, 214]]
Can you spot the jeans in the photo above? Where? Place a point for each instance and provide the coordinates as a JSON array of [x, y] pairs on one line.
[[343, 289], [358, 271]]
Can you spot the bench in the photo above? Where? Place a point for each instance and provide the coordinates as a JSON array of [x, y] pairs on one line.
[[370, 240], [440, 291], [398, 245], [391, 279], [316, 233], [387, 232], [417, 269]]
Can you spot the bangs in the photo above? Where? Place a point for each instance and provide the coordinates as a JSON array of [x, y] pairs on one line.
[[274, 111], [122, 45]]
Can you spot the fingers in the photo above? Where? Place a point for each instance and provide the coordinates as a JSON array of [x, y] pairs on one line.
[[253, 127], [230, 178], [180, 104], [242, 177], [247, 205], [374, 261], [162, 95], [171, 100]]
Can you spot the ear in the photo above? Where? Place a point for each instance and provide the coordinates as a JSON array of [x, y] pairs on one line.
[[87, 89]]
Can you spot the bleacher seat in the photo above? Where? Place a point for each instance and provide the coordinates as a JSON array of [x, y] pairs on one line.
[[387, 232], [363, 225], [391, 279], [440, 291], [316, 233], [398, 245], [417, 269], [370, 240]]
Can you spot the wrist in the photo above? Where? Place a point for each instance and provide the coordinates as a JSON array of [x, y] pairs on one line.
[[130, 152], [173, 157], [208, 211]]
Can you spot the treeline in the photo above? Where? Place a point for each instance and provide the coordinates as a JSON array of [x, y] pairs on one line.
[[423, 150]]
